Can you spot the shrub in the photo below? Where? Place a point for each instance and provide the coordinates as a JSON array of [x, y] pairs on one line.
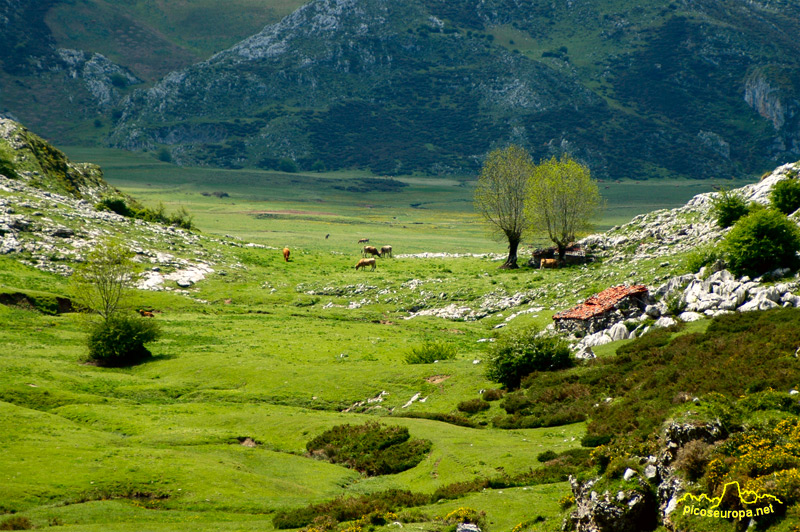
[[762, 241], [546, 456], [692, 459], [287, 165], [473, 406], [119, 340], [430, 352], [703, 256], [522, 352], [371, 448], [116, 205], [16, 522], [494, 394], [728, 207], [785, 195], [164, 155]]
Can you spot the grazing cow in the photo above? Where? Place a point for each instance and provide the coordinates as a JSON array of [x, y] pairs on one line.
[[363, 240], [363, 263], [370, 250], [548, 263], [286, 254], [386, 250], [145, 313]]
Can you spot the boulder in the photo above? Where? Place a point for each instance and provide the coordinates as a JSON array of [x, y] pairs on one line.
[[690, 316], [652, 311], [619, 332], [585, 353], [664, 322]]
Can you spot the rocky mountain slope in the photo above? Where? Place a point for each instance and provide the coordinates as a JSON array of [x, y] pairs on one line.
[[51, 214], [693, 89], [698, 89]]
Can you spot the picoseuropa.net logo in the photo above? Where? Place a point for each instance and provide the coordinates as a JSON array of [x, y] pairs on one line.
[[733, 503]]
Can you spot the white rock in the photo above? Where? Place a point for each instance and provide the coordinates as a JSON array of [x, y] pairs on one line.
[[585, 353], [629, 474], [664, 322], [619, 332], [690, 316]]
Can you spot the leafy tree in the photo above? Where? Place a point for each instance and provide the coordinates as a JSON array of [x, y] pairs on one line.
[[762, 241], [562, 198], [102, 282], [500, 195], [785, 195], [728, 207]]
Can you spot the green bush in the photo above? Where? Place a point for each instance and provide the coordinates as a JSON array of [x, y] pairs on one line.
[[119, 340], [473, 406], [371, 448], [785, 195], [522, 352], [16, 522], [728, 207], [430, 352], [703, 256], [164, 155], [762, 241], [494, 394], [546, 456]]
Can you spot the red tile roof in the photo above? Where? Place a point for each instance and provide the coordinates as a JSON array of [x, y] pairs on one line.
[[600, 303]]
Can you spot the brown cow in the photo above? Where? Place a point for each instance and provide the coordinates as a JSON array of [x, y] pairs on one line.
[[363, 263], [363, 240], [145, 313], [286, 254], [386, 250], [548, 263], [370, 250]]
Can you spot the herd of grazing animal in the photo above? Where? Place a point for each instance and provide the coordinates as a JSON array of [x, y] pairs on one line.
[[372, 251], [366, 251]]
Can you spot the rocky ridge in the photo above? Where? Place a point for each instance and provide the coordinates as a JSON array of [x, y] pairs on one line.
[[49, 219]]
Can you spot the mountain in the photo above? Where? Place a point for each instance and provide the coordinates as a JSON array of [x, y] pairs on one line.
[[682, 89]]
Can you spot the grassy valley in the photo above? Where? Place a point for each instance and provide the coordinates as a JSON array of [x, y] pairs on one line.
[[264, 355]]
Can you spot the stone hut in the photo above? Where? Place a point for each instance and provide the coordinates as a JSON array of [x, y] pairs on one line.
[[600, 311], [574, 254]]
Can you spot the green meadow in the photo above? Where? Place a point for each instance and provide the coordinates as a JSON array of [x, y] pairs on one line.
[[273, 352]]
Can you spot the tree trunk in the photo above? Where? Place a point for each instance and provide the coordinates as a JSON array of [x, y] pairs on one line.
[[562, 250], [511, 261]]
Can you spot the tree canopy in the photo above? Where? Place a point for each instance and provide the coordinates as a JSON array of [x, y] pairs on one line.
[[562, 198], [501, 193]]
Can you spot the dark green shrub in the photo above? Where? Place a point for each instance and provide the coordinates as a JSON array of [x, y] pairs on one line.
[[522, 352], [287, 165], [453, 419], [119, 340], [762, 241], [494, 394], [430, 352], [546, 456], [116, 205], [164, 155], [785, 195], [16, 522], [371, 448], [473, 406], [728, 207]]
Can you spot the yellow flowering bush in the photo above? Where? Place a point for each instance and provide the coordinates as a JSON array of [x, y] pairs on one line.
[[465, 515]]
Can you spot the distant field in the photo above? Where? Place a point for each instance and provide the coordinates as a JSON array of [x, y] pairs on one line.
[[429, 214]]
